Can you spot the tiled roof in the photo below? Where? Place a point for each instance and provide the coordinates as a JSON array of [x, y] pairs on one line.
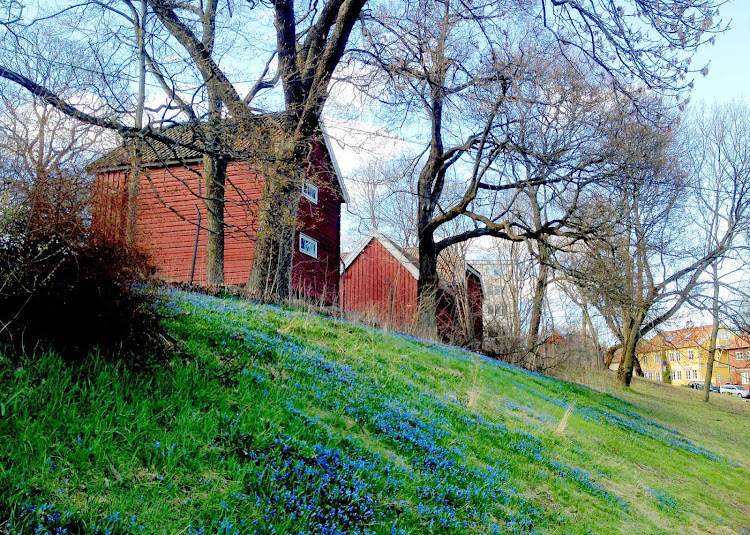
[[679, 339], [250, 140], [189, 140], [739, 342]]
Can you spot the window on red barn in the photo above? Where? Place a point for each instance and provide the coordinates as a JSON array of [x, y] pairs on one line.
[[308, 246]]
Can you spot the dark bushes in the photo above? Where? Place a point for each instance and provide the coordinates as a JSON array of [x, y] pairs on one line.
[[63, 290]]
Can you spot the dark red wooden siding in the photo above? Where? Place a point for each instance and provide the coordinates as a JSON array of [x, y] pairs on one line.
[[109, 206], [167, 222], [474, 289], [319, 278], [378, 286], [446, 315]]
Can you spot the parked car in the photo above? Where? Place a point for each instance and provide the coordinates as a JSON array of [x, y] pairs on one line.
[[714, 388], [737, 390], [698, 385]]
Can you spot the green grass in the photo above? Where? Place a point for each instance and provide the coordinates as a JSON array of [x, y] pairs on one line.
[[279, 421]]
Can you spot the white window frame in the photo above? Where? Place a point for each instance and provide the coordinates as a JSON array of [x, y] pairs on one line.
[[691, 354], [739, 355], [310, 191], [745, 378], [313, 241]]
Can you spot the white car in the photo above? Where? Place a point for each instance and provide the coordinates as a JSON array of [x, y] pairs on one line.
[[737, 390]]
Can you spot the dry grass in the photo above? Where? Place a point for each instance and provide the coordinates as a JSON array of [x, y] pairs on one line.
[[560, 430]]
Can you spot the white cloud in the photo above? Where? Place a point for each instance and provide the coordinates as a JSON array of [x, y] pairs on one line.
[[357, 144]]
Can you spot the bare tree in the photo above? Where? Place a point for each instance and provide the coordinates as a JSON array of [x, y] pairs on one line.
[[44, 152], [308, 45], [386, 199], [640, 275], [719, 160], [421, 49]]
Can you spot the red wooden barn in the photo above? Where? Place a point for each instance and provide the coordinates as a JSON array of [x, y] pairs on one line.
[[171, 196], [379, 282]]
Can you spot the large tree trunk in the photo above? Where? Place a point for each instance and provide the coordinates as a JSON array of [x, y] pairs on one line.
[[270, 278], [214, 174], [537, 304], [714, 334], [609, 355], [134, 180], [271, 274], [214, 170], [430, 179], [427, 288], [631, 336], [134, 186]]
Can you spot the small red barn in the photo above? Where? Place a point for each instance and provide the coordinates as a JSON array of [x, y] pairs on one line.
[[171, 197], [379, 282]]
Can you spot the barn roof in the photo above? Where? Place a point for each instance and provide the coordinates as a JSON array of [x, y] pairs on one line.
[[190, 142], [450, 264]]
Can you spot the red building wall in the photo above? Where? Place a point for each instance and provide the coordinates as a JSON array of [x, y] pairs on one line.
[[167, 223], [377, 285], [319, 278], [452, 330], [738, 367], [382, 289]]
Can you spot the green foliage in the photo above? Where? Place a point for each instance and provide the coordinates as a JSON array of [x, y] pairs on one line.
[[280, 421], [667, 373]]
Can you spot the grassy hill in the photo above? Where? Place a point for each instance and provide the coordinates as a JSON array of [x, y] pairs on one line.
[[279, 421]]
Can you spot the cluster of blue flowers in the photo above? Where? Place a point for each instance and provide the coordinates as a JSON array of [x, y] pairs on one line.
[[43, 519], [326, 483], [664, 501], [452, 494]]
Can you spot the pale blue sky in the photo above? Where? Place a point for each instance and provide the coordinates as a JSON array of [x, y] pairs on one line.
[[729, 70]]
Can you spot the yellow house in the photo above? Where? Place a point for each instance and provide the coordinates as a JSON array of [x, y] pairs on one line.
[[682, 355]]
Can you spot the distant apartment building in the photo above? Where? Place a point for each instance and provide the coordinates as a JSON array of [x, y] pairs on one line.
[[682, 356], [500, 304]]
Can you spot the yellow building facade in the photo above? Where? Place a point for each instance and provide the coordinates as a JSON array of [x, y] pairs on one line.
[[682, 356]]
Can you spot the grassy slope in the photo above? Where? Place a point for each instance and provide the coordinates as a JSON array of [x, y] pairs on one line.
[[284, 422]]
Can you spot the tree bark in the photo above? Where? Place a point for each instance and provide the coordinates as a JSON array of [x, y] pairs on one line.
[[427, 288], [714, 333], [134, 179], [270, 277], [214, 175], [609, 354], [537, 305], [631, 336], [214, 169]]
